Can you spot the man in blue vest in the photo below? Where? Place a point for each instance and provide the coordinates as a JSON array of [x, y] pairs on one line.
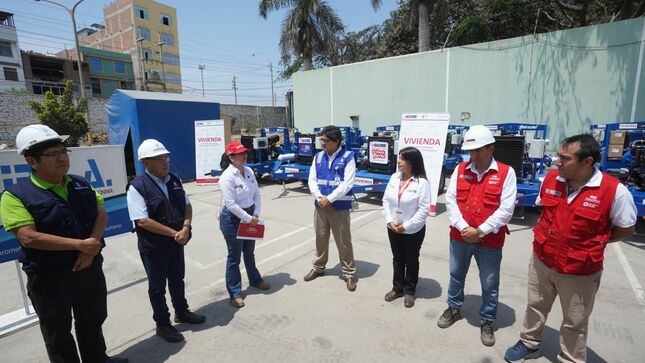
[[162, 213], [59, 221], [331, 179]]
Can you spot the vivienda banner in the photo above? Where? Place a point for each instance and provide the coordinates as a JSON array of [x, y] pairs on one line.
[[102, 166], [427, 132], [209, 147]]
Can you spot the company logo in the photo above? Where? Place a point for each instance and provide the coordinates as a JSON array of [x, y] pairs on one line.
[[209, 139], [304, 140], [553, 192], [422, 141], [21, 171]]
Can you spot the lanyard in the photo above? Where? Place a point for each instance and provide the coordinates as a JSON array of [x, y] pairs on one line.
[[401, 190]]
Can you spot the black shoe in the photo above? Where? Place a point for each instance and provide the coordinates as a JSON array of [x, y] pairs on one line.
[[448, 317], [393, 295], [487, 334], [116, 360], [408, 301], [313, 274], [189, 317], [170, 334]]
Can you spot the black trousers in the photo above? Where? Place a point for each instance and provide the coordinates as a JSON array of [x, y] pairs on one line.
[[405, 261], [55, 293]]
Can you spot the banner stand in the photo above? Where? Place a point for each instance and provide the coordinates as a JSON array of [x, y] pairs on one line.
[[19, 319]]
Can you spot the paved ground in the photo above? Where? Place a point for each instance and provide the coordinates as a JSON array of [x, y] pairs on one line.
[[320, 321]]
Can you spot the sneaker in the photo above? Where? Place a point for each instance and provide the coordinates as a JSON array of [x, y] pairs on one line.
[[189, 317], [169, 334], [448, 317], [393, 295], [520, 352], [487, 333]]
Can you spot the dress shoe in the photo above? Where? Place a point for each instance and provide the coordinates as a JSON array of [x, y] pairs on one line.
[[116, 360], [393, 295], [263, 285], [238, 302], [351, 283], [189, 317], [170, 334], [408, 301], [313, 274]]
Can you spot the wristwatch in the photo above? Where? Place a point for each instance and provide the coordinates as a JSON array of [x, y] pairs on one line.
[[481, 234], [187, 225]]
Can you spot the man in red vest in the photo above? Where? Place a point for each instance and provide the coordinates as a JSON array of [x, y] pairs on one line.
[[583, 210], [480, 202]]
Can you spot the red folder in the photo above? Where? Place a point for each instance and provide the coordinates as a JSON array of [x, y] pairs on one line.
[[247, 231]]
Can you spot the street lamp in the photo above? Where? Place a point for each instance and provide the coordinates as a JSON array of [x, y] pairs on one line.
[[78, 51], [143, 67], [271, 71], [201, 70], [163, 74]]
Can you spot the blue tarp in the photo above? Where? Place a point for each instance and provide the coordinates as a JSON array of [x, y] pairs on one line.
[[166, 117]]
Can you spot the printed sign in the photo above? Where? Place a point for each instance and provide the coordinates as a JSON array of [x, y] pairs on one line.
[[378, 152], [209, 147], [427, 132], [363, 181], [102, 166], [305, 146]]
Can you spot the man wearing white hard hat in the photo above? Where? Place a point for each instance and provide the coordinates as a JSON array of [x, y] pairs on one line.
[[59, 221], [480, 202], [161, 212]]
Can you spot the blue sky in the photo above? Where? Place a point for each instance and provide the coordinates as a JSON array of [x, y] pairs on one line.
[[221, 34]]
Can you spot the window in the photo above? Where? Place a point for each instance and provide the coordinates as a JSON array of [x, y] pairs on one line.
[[96, 64], [126, 85], [96, 87], [171, 59], [119, 67], [5, 49], [144, 33], [166, 20], [146, 53], [141, 13], [167, 38], [10, 74], [172, 78]]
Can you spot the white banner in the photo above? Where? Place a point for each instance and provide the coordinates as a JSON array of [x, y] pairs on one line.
[[427, 132], [209, 147]]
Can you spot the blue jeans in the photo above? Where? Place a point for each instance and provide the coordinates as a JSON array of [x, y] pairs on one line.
[[228, 224], [488, 261], [159, 268]]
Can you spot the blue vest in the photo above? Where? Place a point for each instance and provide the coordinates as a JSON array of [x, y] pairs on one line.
[[167, 211], [330, 178], [73, 218]]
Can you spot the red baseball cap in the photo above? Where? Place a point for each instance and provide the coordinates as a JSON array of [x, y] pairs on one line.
[[235, 147]]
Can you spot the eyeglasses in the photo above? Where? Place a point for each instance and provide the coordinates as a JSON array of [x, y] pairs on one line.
[[160, 158], [325, 140], [57, 154]]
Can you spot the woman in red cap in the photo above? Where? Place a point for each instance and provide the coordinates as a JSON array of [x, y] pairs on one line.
[[240, 202]]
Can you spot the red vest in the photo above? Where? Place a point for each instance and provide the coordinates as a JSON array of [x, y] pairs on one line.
[[479, 200], [571, 238]]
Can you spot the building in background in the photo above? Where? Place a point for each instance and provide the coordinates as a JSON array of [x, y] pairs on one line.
[[12, 75], [49, 73], [108, 70], [146, 30]]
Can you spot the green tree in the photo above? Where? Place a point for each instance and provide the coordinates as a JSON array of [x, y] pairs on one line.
[[310, 28], [421, 13], [63, 115]]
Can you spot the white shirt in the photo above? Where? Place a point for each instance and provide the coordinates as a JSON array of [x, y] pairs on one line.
[[240, 192], [343, 188], [500, 217], [137, 208], [623, 210], [415, 202]]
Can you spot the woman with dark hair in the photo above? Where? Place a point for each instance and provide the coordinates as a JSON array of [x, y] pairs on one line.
[[406, 204], [240, 203]]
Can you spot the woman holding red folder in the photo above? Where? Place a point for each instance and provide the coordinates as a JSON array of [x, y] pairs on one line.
[[240, 204]]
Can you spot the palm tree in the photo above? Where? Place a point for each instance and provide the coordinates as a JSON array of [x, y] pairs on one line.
[[310, 27], [420, 18]]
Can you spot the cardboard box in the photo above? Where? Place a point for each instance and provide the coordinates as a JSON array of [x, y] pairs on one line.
[[617, 137], [615, 152]]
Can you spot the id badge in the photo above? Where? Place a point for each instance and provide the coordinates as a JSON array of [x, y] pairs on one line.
[[398, 216]]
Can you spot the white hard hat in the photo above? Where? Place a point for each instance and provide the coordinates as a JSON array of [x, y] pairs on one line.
[[477, 136], [150, 148], [36, 134]]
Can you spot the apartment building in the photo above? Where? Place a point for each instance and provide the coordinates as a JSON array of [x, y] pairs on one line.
[[11, 70]]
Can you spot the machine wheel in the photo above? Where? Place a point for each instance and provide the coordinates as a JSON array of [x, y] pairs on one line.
[[442, 183]]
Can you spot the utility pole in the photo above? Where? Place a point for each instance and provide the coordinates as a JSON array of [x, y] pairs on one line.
[[235, 88], [201, 70], [163, 74], [272, 94], [143, 67]]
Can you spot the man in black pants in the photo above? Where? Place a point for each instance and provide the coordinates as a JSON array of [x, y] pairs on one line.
[[59, 221], [161, 211]]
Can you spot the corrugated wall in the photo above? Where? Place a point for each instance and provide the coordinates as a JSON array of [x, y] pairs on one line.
[[566, 79]]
